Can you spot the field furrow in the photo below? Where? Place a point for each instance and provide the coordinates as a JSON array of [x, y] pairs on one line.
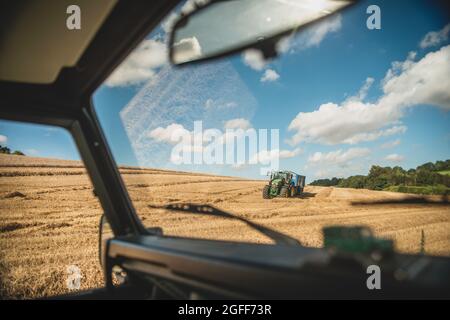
[[49, 217]]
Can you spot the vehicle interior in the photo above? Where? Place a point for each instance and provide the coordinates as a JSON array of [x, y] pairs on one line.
[[55, 85]]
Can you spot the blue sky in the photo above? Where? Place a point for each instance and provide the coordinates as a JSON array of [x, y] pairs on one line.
[[343, 97], [38, 140]]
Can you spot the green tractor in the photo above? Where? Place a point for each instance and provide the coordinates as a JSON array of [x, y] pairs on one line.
[[284, 184]]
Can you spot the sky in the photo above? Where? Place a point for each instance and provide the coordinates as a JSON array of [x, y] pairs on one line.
[[343, 98]]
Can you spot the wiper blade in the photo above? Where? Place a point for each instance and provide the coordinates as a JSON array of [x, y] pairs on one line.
[[204, 209]]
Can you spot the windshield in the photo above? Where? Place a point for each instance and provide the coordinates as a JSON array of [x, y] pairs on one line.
[[278, 176], [357, 103]]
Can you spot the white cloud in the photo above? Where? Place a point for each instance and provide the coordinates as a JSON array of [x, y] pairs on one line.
[[324, 173], [174, 132], [270, 75], [169, 21], [139, 65], [338, 157], [311, 37], [390, 144], [405, 85], [423, 82], [266, 156], [434, 38], [3, 139], [238, 123], [361, 137], [177, 158], [190, 5], [362, 93], [186, 49], [319, 32], [158, 104], [290, 153], [339, 163], [394, 158], [216, 104], [170, 134], [341, 171], [254, 59]]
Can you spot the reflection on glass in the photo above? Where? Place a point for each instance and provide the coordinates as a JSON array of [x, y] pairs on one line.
[[217, 28]]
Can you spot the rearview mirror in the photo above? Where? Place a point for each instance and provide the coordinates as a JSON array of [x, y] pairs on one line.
[[223, 27]]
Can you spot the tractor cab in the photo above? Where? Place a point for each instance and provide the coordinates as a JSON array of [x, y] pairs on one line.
[[279, 176]]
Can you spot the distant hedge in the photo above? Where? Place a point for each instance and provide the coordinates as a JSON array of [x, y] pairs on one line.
[[7, 150], [429, 178], [439, 189]]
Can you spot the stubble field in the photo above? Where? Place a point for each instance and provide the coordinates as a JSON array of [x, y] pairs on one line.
[[49, 217]]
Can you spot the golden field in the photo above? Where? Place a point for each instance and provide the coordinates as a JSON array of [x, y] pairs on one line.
[[49, 217]]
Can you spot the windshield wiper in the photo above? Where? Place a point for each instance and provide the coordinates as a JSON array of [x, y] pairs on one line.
[[277, 237]]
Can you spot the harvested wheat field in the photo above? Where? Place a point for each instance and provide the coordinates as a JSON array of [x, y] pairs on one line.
[[49, 217]]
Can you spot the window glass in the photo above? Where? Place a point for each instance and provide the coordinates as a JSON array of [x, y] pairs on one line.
[[49, 215], [361, 112]]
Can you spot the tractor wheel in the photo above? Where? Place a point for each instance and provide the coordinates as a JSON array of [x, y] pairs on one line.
[[284, 192], [266, 192]]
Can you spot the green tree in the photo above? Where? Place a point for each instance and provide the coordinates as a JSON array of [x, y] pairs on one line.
[[5, 150], [429, 166], [357, 182], [423, 179]]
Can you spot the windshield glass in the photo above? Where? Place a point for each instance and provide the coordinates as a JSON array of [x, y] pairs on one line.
[[279, 176], [357, 103]]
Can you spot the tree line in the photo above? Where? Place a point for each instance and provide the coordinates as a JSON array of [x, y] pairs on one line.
[[428, 178], [7, 150]]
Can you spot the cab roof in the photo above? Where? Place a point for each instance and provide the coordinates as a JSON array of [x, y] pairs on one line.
[[47, 70]]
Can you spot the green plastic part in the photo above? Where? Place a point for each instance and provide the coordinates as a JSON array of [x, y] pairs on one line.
[[356, 239]]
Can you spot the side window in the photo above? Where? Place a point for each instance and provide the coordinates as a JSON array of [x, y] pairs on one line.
[[49, 215]]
